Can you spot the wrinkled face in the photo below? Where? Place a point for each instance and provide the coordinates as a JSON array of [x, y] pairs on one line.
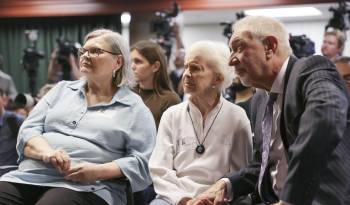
[[248, 58], [344, 70], [97, 61], [330, 47], [198, 78], [143, 70]]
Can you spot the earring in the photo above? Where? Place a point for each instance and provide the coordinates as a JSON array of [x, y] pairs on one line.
[[114, 73], [213, 86]]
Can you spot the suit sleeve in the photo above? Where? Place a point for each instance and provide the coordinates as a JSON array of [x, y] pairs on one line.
[[320, 128]]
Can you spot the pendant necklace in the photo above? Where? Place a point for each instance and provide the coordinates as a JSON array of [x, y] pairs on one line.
[[200, 149]]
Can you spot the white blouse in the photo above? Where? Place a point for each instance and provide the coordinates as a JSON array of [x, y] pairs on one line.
[[177, 170]]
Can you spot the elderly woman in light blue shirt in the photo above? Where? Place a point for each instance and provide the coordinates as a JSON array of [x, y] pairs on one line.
[[85, 135]]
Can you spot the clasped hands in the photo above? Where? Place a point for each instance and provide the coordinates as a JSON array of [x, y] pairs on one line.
[[83, 172]]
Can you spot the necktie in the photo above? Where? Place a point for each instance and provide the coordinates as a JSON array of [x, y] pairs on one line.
[[266, 132]]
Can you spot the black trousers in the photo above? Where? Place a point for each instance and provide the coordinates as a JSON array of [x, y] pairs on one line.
[[22, 194]]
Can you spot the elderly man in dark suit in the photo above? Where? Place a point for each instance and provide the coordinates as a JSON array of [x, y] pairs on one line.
[[301, 122]]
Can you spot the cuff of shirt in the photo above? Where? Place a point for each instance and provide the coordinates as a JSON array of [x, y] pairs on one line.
[[229, 191]]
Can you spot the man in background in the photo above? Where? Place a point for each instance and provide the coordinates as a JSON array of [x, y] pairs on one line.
[[9, 126], [6, 83], [333, 44]]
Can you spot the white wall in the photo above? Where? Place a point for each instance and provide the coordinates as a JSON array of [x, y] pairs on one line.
[[313, 29]]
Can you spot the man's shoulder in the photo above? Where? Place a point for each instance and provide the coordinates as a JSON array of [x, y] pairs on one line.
[[315, 62]]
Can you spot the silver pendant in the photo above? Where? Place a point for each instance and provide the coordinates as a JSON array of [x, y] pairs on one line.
[[200, 149]]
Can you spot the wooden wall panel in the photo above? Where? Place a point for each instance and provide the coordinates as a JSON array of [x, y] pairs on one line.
[[46, 8]]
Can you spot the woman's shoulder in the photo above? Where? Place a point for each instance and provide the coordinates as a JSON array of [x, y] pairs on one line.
[[170, 96]]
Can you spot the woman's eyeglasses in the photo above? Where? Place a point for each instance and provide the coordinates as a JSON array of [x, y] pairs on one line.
[[93, 52]]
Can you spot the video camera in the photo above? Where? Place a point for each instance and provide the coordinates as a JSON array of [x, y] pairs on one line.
[[338, 19], [65, 49], [31, 57], [162, 26], [302, 46]]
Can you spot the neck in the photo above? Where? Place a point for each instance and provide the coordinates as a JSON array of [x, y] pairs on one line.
[[101, 88], [205, 103], [243, 95], [146, 85]]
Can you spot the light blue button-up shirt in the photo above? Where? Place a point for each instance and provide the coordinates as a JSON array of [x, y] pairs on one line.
[[122, 131]]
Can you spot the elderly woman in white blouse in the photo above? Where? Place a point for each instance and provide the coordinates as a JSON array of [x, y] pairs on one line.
[[201, 140]]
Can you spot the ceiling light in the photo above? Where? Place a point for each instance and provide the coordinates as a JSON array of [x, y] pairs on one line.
[[125, 18], [284, 12]]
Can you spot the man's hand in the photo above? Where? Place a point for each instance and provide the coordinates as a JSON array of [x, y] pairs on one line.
[[83, 173], [59, 159]]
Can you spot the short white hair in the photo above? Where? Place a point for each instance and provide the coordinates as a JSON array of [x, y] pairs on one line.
[[216, 55], [118, 45], [261, 26]]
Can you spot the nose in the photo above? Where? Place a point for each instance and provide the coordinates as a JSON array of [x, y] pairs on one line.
[[187, 73], [233, 60], [133, 66]]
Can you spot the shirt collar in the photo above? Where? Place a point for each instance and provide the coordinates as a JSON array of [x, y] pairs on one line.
[[123, 95], [277, 86]]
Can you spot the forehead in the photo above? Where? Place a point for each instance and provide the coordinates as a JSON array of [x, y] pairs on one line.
[[330, 37], [97, 41], [239, 36]]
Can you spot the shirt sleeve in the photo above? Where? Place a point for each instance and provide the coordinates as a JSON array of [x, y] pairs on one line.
[[139, 147], [34, 124], [165, 181]]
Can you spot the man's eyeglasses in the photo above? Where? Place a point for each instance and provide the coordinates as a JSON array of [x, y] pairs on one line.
[[93, 52]]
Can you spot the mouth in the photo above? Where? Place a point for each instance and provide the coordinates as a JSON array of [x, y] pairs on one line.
[[189, 84], [239, 71]]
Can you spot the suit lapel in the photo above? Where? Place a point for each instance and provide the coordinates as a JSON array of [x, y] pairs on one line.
[[290, 66]]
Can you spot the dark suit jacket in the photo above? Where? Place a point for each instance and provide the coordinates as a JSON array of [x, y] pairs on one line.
[[315, 130]]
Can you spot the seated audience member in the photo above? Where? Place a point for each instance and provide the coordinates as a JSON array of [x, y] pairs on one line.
[[6, 84], [153, 85], [9, 126], [301, 124], [84, 135], [343, 67], [333, 44], [63, 67], [200, 140]]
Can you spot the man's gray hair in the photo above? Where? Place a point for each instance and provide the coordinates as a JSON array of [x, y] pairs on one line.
[[216, 55], [118, 45], [262, 26]]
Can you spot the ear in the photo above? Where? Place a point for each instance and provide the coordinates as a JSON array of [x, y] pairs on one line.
[[119, 61], [155, 66], [270, 45]]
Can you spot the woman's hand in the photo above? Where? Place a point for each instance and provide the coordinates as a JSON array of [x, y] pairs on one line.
[[83, 173], [58, 158]]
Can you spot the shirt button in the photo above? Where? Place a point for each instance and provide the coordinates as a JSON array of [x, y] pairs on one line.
[[92, 188]]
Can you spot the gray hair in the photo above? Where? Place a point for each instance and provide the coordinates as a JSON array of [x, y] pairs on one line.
[[125, 75], [261, 26], [216, 55]]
